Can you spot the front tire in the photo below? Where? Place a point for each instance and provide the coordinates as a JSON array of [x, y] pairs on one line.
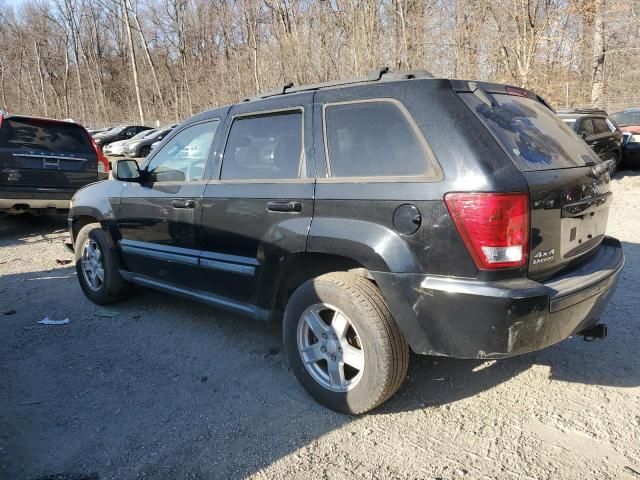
[[342, 343], [145, 151], [98, 265]]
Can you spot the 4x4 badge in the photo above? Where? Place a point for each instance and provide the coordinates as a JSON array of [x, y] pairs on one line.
[[543, 257]]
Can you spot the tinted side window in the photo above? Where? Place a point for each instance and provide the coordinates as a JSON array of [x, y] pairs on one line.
[[600, 126], [264, 147], [586, 127], [373, 139], [184, 157], [44, 135]]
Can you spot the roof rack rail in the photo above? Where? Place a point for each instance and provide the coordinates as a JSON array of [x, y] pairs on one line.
[[377, 75]]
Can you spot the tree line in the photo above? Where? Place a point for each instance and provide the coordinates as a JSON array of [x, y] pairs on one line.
[[109, 61]]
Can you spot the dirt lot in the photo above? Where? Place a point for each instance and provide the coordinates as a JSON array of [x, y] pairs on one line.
[[172, 389]]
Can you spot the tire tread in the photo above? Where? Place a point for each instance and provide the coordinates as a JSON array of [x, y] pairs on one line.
[[396, 351]]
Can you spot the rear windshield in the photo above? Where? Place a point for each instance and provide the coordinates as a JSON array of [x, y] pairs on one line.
[[534, 137], [44, 135]]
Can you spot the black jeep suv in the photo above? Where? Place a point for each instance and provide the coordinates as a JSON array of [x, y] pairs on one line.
[[387, 213], [43, 162], [597, 129]]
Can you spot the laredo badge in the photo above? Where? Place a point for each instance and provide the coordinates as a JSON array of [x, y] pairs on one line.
[[543, 257]]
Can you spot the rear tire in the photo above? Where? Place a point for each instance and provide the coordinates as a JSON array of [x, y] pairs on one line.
[[98, 265], [342, 343]]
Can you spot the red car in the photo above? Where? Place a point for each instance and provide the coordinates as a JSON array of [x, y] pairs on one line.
[[629, 123]]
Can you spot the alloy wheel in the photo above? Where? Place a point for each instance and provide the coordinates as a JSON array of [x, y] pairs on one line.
[[330, 348], [92, 265]]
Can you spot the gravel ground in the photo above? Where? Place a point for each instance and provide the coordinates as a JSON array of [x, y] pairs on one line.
[[172, 389]]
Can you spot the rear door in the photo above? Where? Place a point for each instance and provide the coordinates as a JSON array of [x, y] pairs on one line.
[[570, 197], [257, 208], [45, 153]]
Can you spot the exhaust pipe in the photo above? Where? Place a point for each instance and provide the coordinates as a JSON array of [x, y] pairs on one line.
[[597, 331]]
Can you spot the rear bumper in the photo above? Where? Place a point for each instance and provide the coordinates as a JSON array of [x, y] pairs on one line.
[[35, 198], [472, 319]]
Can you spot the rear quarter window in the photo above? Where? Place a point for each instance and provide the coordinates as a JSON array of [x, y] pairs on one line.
[[34, 134], [375, 139], [533, 136]]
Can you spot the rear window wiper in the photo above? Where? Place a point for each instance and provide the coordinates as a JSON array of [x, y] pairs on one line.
[[607, 166], [484, 96]]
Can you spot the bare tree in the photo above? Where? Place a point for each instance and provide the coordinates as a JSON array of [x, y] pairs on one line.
[[132, 55], [81, 58], [597, 68]]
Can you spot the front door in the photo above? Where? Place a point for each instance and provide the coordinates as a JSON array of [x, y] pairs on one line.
[[158, 219], [257, 208]]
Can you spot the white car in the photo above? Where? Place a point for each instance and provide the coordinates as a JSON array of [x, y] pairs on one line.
[[119, 149], [115, 148]]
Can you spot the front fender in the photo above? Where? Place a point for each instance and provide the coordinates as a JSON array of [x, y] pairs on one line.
[[372, 245], [96, 200]]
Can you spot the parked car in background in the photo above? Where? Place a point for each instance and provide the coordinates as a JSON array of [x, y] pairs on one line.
[[95, 131], [629, 122], [43, 162], [595, 128], [140, 147], [118, 148], [122, 132], [348, 211]]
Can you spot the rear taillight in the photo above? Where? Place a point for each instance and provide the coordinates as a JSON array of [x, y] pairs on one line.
[[103, 161], [493, 226]]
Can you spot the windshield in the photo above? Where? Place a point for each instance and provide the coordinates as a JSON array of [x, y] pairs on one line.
[[627, 118], [534, 137], [115, 129]]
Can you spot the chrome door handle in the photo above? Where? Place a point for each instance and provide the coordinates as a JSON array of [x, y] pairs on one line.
[[183, 203], [284, 206]]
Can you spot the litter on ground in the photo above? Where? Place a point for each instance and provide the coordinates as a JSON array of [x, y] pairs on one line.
[[48, 321]]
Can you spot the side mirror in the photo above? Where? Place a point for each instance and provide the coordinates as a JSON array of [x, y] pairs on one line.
[[127, 171], [584, 135]]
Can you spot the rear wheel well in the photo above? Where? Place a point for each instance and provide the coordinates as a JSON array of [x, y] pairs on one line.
[[306, 266]]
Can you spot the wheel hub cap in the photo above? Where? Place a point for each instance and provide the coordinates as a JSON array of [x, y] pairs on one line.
[[92, 266], [330, 348]]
